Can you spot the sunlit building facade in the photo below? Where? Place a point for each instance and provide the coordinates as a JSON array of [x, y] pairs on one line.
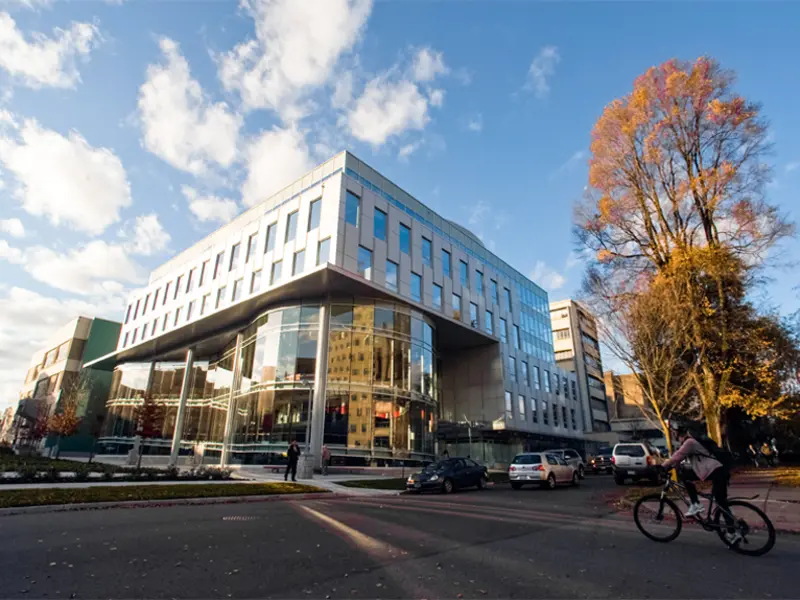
[[340, 311]]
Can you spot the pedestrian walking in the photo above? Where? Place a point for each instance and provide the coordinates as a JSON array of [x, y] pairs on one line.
[[326, 459], [293, 454], [445, 454]]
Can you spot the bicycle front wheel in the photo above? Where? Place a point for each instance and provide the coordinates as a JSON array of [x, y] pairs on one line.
[[754, 532], [658, 518]]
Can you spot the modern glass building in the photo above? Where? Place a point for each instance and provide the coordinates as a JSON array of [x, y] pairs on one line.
[[341, 311]]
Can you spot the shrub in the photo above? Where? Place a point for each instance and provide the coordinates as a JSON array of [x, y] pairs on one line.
[[82, 472], [108, 473], [52, 474], [171, 472], [27, 473]]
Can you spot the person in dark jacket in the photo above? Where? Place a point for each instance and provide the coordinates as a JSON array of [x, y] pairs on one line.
[[293, 454]]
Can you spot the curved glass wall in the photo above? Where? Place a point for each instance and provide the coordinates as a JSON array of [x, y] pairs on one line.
[[383, 388]]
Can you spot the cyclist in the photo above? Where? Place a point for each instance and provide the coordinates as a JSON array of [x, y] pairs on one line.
[[705, 467]]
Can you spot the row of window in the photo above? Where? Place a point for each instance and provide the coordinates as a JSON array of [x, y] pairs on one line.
[[534, 381], [196, 280], [276, 273], [521, 409]]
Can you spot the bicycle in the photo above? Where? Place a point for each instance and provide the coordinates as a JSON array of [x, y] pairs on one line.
[[657, 510]]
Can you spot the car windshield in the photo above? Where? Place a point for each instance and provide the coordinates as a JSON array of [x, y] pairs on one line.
[[605, 453], [629, 450], [527, 459], [442, 465]]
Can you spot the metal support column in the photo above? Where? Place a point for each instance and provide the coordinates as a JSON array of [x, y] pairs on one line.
[[177, 432], [226, 439], [320, 386]]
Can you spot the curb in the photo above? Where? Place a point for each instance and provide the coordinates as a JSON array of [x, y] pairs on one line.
[[55, 508]]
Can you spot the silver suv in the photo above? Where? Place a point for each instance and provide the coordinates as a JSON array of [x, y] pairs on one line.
[[636, 460], [571, 457], [546, 469]]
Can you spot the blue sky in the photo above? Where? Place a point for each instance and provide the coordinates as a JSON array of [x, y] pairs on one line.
[[129, 130]]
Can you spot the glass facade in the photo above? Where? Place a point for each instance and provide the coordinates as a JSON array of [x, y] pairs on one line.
[[379, 227], [382, 393]]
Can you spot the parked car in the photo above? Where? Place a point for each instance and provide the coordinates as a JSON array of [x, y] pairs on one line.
[[636, 460], [449, 475], [546, 469], [601, 463], [573, 458]]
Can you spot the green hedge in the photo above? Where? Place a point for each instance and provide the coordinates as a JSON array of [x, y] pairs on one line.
[[127, 493]]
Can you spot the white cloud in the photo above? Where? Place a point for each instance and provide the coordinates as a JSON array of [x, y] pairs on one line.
[[12, 227], [28, 319], [478, 213], [45, 61], [274, 159], [387, 108], [296, 48], [86, 270], [436, 97], [64, 179], [148, 236], [181, 124], [569, 164], [342, 90], [542, 68], [475, 123], [9, 253], [428, 64], [546, 277], [210, 208], [406, 151], [792, 166]]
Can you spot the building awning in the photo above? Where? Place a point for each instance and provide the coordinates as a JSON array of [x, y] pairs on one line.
[[211, 334]]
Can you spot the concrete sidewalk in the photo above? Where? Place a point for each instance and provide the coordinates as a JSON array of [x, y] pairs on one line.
[[328, 482], [781, 503]]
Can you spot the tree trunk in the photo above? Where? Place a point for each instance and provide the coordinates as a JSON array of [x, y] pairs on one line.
[[141, 452]]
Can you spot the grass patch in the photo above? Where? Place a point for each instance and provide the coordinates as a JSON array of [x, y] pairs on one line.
[[14, 463], [632, 494], [55, 496], [393, 483]]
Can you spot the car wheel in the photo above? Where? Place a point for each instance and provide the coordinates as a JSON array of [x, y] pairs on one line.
[[482, 483], [447, 486], [550, 483], [575, 478], [581, 472], [516, 486], [619, 480]]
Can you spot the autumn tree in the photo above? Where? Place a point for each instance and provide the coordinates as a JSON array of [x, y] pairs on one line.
[[149, 421], [66, 421], [677, 180]]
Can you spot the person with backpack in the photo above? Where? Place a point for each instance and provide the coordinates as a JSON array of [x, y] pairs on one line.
[[708, 462]]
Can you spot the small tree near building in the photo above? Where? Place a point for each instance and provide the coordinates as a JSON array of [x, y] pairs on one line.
[[149, 422]]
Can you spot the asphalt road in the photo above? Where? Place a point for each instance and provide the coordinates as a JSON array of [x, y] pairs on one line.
[[493, 544]]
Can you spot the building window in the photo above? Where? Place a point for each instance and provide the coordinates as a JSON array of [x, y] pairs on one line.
[[437, 296], [479, 282], [177, 316], [251, 248], [146, 302], [572, 417], [204, 303], [405, 239], [493, 289], [503, 331], [555, 415], [125, 339], [590, 341], [509, 408], [488, 322], [524, 372], [574, 390], [324, 251], [203, 273], [473, 314], [565, 385], [365, 262], [545, 412], [255, 282], [128, 314], [272, 228], [291, 227], [136, 309], [556, 389], [314, 211], [234, 257], [547, 387], [536, 380], [391, 275], [220, 296], [218, 264], [177, 287], [512, 368], [166, 321], [133, 341], [190, 281], [455, 303], [446, 263], [352, 208], [190, 311], [379, 224], [238, 289], [275, 275], [521, 405], [427, 251], [416, 287], [534, 412], [561, 334], [516, 337], [464, 274], [507, 295], [564, 417], [299, 262], [144, 332], [166, 293]]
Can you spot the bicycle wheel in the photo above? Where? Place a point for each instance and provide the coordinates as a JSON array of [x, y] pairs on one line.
[[658, 518], [754, 527]]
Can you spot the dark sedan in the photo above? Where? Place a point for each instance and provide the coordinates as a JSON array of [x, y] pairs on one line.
[[601, 463], [449, 475]]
